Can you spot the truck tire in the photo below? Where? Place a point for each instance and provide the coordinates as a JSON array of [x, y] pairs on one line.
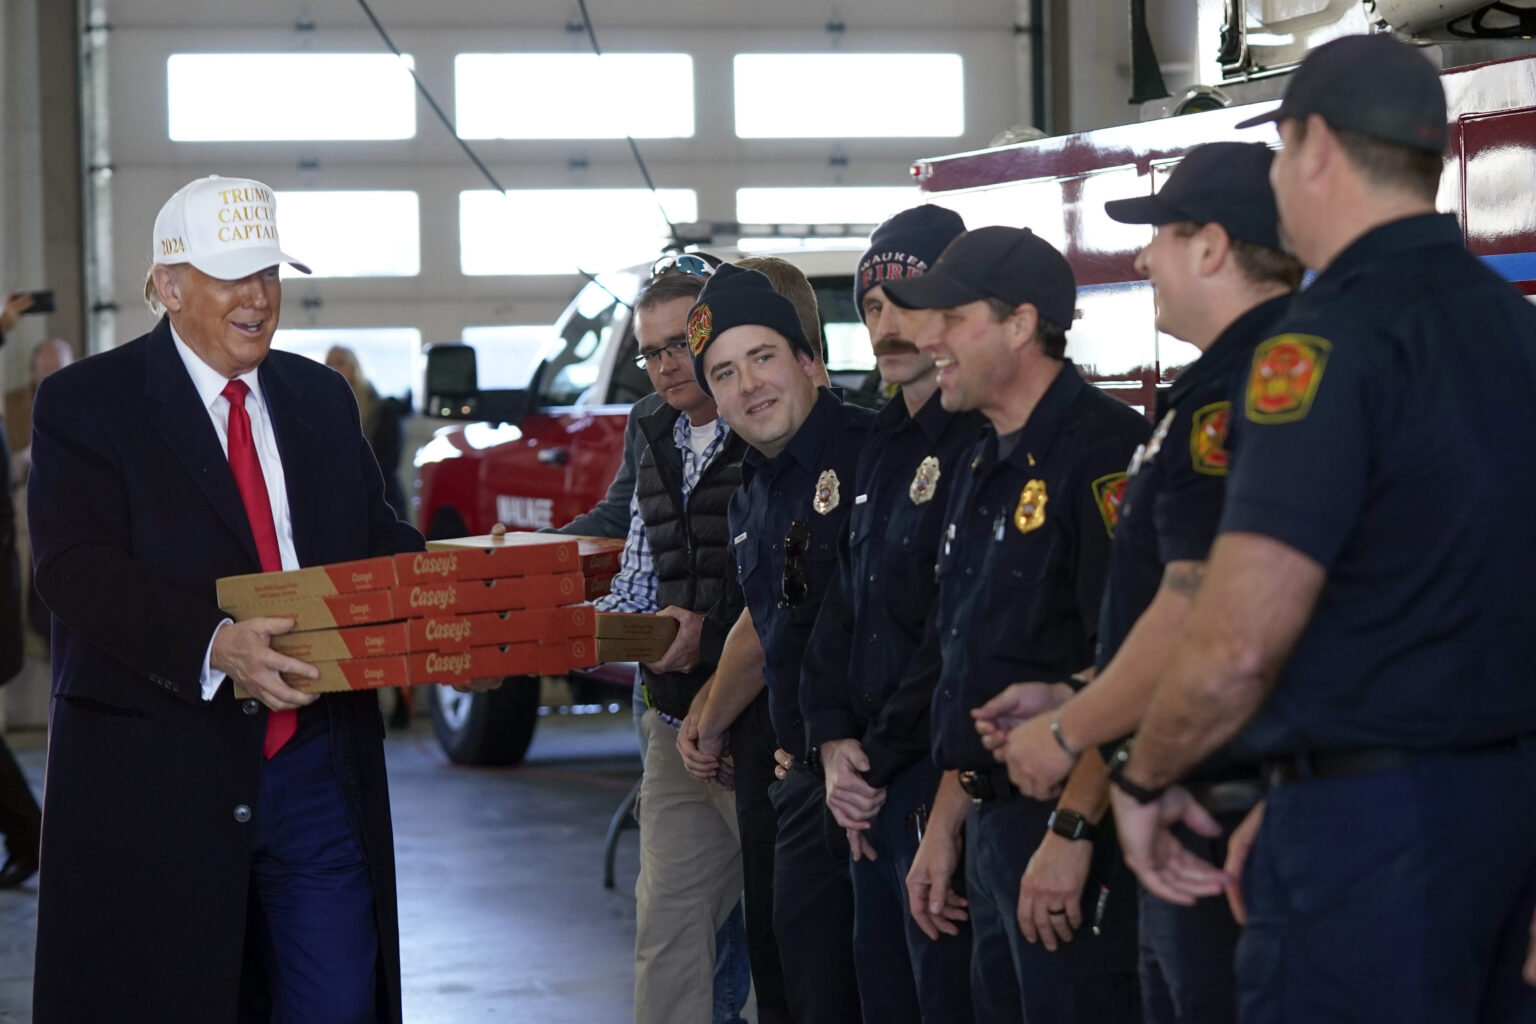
[[491, 728]]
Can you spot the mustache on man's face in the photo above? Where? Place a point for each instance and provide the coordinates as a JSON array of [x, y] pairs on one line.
[[893, 346]]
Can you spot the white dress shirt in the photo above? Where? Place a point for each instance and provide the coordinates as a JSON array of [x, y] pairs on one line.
[[210, 384]]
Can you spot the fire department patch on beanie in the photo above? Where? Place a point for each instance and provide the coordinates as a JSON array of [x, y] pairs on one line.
[[906, 245], [733, 297]]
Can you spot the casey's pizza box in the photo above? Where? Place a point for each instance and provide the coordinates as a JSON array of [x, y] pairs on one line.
[[556, 659], [625, 636], [572, 621], [463, 597], [459, 667], [492, 556], [309, 613], [488, 629], [352, 674], [313, 581], [599, 555], [338, 644], [597, 586]]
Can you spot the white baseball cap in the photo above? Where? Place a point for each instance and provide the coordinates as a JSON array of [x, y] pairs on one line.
[[225, 227]]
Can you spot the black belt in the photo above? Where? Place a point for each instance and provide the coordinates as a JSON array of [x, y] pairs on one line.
[[1229, 796], [985, 786], [1339, 763], [1336, 764]]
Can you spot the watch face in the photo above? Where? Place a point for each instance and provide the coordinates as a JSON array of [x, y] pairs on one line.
[[1069, 824]]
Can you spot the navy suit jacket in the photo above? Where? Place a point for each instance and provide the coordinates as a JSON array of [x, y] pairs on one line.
[[134, 514]]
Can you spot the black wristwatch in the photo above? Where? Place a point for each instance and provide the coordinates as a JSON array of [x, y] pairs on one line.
[[1117, 762], [1071, 825]]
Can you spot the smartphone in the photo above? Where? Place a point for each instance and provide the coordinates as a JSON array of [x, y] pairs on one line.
[[42, 302]]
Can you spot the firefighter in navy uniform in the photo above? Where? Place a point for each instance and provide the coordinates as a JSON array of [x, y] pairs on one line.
[[1021, 572], [1367, 608], [785, 522], [865, 716], [1221, 283]]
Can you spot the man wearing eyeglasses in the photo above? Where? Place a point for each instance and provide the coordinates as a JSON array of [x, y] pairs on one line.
[[676, 557], [751, 353], [864, 693], [1021, 571]]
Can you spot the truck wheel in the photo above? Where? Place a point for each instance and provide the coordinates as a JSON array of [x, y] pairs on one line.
[[492, 728]]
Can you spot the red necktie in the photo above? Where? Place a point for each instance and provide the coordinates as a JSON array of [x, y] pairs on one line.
[[258, 509]]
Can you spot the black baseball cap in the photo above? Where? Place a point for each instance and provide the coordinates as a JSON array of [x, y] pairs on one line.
[[1014, 265], [734, 296], [1225, 183], [1373, 85]]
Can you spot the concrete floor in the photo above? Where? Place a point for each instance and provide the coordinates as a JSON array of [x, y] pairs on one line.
[[502, 911]]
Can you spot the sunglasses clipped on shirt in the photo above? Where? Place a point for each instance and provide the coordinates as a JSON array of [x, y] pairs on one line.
[[794, 586]]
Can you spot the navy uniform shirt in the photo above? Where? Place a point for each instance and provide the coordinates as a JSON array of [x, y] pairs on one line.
[[862, 678], [1173, 495], [1388, 432], [811, 483], [1024, 555]]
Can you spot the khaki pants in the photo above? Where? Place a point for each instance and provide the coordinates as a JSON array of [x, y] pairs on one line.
[[690, 880]]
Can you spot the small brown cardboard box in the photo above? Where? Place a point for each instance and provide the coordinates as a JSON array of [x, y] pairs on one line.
[[314, 581], [622, 636]]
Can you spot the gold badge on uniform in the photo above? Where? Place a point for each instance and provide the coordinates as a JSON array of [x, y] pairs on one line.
[[827, 494], [700, 321], [1208, 439], [1108, 494], [924, 481], [1287, 370], [1030, 515]]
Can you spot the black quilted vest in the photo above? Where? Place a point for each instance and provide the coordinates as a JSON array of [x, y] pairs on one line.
[[690, 549]]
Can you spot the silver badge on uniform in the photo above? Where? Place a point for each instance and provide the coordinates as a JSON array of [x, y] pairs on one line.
[[924, 481], [827, 493], [1155, 445]]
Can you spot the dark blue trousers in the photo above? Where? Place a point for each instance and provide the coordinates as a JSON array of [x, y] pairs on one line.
[[812, 906], [311, 901], [904, 976], [1090, 980], [1402, 896], [1187, 953]]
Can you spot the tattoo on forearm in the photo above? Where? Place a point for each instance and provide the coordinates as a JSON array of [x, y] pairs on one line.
[[1184, 577]]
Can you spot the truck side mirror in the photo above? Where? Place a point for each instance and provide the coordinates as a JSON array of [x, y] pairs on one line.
[[453, 392]]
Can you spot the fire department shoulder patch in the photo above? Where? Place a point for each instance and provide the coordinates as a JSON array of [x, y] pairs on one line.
[[1208, 439], [1287, 370], [1108, 493], [700, 321]]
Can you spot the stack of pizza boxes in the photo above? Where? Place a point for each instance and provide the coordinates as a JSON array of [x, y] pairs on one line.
[[599, 563], [472, 608]]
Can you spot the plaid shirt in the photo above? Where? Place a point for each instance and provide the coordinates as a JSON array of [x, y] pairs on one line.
[[634, 586]]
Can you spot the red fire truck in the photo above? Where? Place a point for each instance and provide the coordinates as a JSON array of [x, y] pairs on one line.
[[536, 467]]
